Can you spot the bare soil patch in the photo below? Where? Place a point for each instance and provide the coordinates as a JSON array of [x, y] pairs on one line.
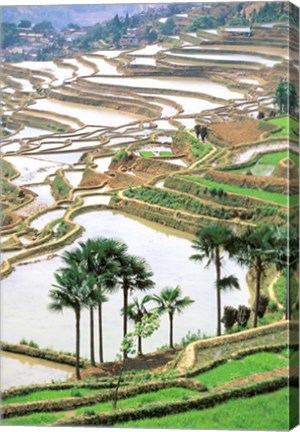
[[237, 132]]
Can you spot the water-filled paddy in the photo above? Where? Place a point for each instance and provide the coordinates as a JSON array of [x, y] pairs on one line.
[[85, 113], [31, 169], [40, 222], [103, 66], [25, 297], [230, 57], [103, 163], [193, 105], [18, 370], [196, 85], [30, 132], [73, 177]]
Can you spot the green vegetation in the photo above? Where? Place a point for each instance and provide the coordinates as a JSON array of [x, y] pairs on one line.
[[187, 140], [147, 154], [202, 22], [176, 201], [121, 156], [31, 343], [36, 419], [255, 193], [60, 187], [234, 414], [289, 127], [50, 395], [7, 170], [141, 400], [235, 369], [167, 28], [152, 154]]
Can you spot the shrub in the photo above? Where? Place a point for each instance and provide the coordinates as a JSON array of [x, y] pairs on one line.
[[272, 306], [262, 306], [243, 315], [33, 344], [191, 337], [75, 392], [230, 317]]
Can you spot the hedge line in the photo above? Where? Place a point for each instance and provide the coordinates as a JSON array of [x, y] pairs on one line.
[[174, 407], [25, 390], [43, 354], [253, 182], [62, 404]]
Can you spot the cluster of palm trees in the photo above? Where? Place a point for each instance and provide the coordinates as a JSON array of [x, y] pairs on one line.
[[286, 97], [101, 266], [256, 248]]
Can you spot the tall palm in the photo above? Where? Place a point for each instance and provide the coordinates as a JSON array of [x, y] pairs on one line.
[[286, 256], [170, 301], [73, 290], [136, 312], [257, 251], [135, 275], [82, 256], [280, 96], [105, 263], [210, 243]]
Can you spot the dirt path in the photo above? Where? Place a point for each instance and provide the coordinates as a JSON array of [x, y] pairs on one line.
[[272, 294]]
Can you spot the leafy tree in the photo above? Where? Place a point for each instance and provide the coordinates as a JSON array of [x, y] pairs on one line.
[[72, 290], [45, 27], [170, 301], [24, 23], [143, 329], [210, 243], [134, 275], [9, 35], [167, 28], [152, 36], [136, 311], [256, 248], [202, 22], [73, 26]]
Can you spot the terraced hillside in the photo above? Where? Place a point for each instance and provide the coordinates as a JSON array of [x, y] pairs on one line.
[[196, 386], [147, 145]]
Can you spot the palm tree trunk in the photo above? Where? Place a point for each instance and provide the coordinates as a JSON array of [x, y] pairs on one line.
[[140, 352], [77, 317], [100, 333], [92, 338], [257, 291], [218, 270], [125, 309], [171, 330]]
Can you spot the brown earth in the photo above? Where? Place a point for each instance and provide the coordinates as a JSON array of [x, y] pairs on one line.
[[154, 361], [236, 132], [93, 178]]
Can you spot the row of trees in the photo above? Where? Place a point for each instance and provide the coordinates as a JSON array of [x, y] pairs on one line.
[[286, 98], [256, 248], [101, 266]]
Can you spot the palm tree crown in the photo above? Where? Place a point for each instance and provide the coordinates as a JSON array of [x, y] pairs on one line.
[[170, 301]]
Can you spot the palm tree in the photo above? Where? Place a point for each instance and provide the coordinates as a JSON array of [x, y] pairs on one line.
[[136, 312], [280, 96], [82, 256], [257, 251], [170, 301], [73, 290], [105, 262], [286, 256], [211, 241], [135, 275]]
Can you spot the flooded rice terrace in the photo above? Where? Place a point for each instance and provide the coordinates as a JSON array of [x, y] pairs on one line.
[[69, 131], [25, 294]]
